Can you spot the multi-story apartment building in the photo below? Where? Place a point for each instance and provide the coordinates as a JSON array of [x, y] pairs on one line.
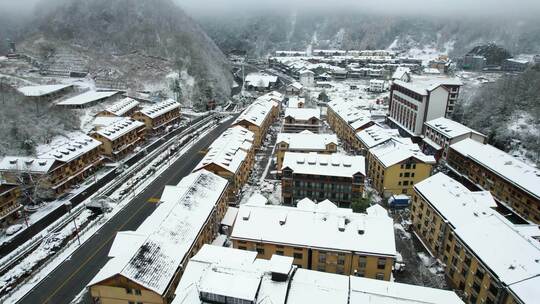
[[61, 166], [423, 99], [511, 181], [304, 142], [374, 136], [488, 258], [120, 138], [300, 119], [320, 237], [159, 116], [296, 102], [395, 167], [227, 275], [231, 156], [442, 132], [9, 204], [147, 264], [346, 118], [259, 116], [337, 177], [123, 108]]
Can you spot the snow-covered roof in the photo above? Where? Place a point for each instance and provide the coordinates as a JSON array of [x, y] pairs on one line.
[[225, 271], [122, 107], [375, 135], [425, 84], [295, 101], [67, 149], [86, 97], [324, 164], [169, 233], [503, 164], [356, 112], [104, 121], [448, 127], [376, 81], [297, 85], [518, 60], [369, 291], [260, 80], [231, 273], [303, 113], [510, 251], [41, 90], [26, 164], [306, 140], [119, 128], [229, 150], [160, 108], [394, 151], [400, 72], [230, 216], [257, 112], [330, 229], [316, 287]]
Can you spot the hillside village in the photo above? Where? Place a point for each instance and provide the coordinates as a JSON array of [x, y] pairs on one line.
[[328, 176]]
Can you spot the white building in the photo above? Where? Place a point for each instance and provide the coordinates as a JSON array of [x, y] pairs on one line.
[[376, 86], [307, 78], [260, 81], [423, 99]]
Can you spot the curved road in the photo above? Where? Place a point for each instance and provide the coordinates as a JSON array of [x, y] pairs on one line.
[[67, 280]]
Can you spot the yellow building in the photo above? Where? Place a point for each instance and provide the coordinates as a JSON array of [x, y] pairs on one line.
[[231, 156], [396, 166], [61, 166], [511, 181], [9, 204], [159, 116], [346, 118], [488, 258], [120, 138], [258, 117], [320, 237], [147, 264], [304, 142], [217, 273]]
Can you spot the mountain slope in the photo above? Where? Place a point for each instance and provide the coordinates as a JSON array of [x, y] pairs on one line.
[[262, 33], [138, 40]]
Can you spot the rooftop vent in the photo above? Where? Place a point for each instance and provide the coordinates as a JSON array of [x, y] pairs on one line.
[[246, 214], [283, 219], [29, 162], [13, 161], [341, 224]]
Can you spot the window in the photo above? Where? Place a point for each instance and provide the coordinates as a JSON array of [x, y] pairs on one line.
[[297, 255], [279, 252], [260, 250], [322, 257], [493, 289], [379, 276], [242, 247], [381, 263], [405, 183], [476, 287], [362, 262], [479, 274], [129, 291], [407, 174], [321, 267], [137, 292]]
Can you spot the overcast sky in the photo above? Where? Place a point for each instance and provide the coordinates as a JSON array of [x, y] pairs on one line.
[[420, 7]]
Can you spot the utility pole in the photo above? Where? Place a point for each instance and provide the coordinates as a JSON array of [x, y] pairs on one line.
[[68, 206]]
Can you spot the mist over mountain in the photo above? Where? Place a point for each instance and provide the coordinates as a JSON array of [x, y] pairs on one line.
[[139, 41], [261, 33]]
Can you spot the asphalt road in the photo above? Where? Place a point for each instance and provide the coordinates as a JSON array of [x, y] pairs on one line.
[[66, 281]]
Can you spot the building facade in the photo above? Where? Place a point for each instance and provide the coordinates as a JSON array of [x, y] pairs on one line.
[[336, 177], [159, 116], [121, 138], [395, 167], [300, 119], [9, 203], [423, 99], [304, 142], [320, 237], [511, 181], [488, 258], [442, 132]]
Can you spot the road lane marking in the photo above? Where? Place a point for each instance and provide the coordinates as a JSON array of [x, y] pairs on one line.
[[154, 200], [92, 256]]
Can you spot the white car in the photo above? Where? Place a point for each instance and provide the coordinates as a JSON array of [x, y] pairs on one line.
[[13, 229]]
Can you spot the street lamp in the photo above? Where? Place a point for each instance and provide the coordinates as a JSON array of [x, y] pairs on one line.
[[68, 207]]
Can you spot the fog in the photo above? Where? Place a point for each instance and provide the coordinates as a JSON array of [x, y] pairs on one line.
[[482, 8]]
